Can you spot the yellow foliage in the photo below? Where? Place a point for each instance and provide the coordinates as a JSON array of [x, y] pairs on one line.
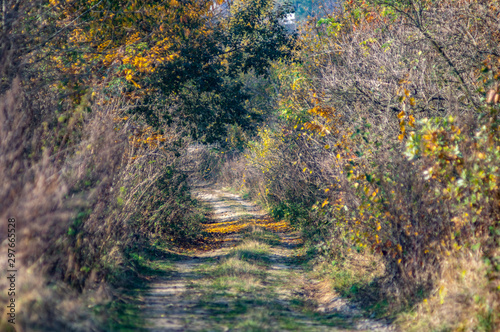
[[130, 42], [236, 226]]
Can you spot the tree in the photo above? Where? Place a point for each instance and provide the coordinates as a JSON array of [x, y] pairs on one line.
[[205, 77], [188, 53]]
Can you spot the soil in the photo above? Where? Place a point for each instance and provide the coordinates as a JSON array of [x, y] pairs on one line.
[[251, 281]]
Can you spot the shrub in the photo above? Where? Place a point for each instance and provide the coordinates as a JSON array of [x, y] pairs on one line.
[[384, 140]]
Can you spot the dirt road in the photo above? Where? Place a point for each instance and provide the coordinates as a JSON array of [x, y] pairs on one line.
[[251, 282]]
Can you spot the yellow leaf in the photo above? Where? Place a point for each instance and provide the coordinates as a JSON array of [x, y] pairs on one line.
[[401, 115], [135, 84], [412, 121], [324, 203]]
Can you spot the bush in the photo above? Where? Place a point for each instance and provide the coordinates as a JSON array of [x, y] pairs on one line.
[[385, 140]]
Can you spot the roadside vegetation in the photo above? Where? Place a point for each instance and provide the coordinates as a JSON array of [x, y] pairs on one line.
[[99, 102], [384, 151]]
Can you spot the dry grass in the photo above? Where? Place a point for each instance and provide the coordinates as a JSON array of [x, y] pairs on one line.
[[39, 191], [253, 247], [236, 267], [463, 299], [83, 194], [242, 270], [358, 277]]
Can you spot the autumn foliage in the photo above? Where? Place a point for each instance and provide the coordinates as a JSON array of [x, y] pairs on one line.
[[373, 130], [386, 142], [99, 102]]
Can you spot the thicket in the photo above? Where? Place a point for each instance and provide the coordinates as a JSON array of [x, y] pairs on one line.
[[101, 103], [386, 141]]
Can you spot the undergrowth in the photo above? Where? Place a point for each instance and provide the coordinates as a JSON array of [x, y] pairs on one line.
[[385, 146]]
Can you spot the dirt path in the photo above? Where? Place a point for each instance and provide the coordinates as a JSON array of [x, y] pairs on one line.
[[251, 283]]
